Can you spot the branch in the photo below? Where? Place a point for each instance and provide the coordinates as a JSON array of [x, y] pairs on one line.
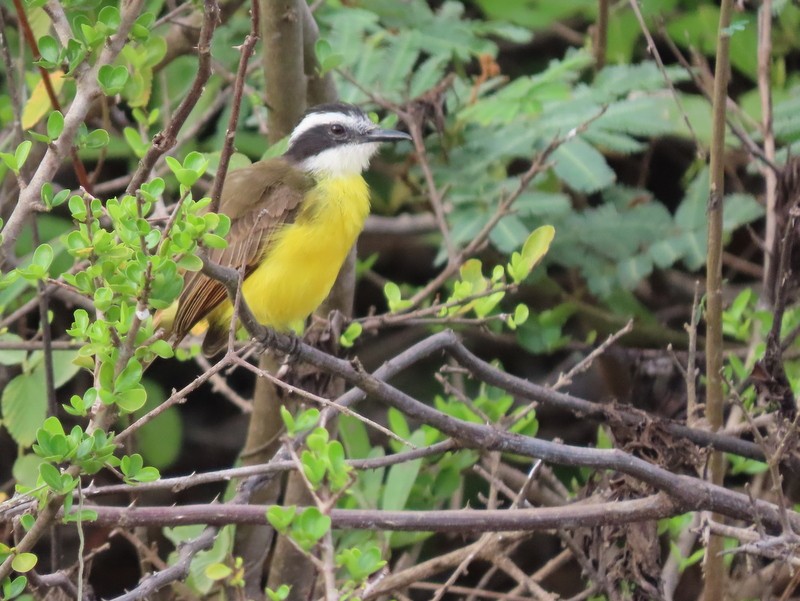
[[238, 86], [180, 483], [177, 571], [714, 565], [448, 341], [770, 177], [684, 489], [588, 514]]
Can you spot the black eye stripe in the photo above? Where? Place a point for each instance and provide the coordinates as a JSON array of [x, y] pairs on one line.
[[316, 139]]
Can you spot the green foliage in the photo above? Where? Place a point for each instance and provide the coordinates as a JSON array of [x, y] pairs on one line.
[[13, 587], [305, 528], [300, 423], [112, 79], [24, 399], [394, 297], [24, 562], [577, 216], [219, 553], [614, 244], [133, 469], [279, 595], [324, 462], [350, 335], [233, 576], [161, 439], [16, 160]]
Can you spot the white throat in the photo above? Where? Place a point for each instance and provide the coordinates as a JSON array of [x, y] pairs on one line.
[[341, 161]]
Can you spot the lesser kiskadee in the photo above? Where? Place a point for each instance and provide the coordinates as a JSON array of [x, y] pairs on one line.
[[293, 222]]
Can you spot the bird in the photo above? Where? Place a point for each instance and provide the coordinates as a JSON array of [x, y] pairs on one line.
[[294, 219]]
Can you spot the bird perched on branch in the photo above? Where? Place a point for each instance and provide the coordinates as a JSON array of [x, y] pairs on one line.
[[293, 222]]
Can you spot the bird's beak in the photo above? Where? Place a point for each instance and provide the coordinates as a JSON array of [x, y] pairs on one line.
[[385, 135]]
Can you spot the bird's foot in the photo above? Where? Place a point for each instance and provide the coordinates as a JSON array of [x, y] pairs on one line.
[[294, 345], [266, 339]]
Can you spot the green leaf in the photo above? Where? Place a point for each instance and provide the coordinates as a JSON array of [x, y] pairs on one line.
[[131, 464], [110, 17], [50, 475], [130, 376], [64, 367], [162, 348], [534, 249], [633, 270], [281, 594], [328, 60], [98, 138], [134, 140], [691, 213], [27, 521], [132, 399], [521, 314], [43, 256], [55, 125], [582, 167], [309, 527], [354, 437], [196, 162], [24, 404], [361, 563], [218, 571], [393, 297], [147, 474], [214, 241], [112, 79], [191, 263], [26, 469], [24, 562], [349, 336], [281, 517], [306, 420], [401, 478], [11, 357], [21, 154], [49, 49], [13, 588], [77, 207], [187, 173], [740, 209]]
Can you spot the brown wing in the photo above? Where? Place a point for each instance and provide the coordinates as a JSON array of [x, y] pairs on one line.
[[259, 199]]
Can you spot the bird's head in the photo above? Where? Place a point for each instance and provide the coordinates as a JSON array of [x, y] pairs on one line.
[[337, 140]]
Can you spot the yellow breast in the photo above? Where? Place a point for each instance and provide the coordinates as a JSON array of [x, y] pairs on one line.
[[301, 265]]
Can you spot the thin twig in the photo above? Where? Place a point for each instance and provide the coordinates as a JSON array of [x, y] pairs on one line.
[[179, 483], [714, 584], [770, 177], [321, 401], [166, 139], [230, 134], [653, 50], [586, 362]]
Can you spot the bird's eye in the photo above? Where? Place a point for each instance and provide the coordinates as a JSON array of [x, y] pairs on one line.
[[337, 129]]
